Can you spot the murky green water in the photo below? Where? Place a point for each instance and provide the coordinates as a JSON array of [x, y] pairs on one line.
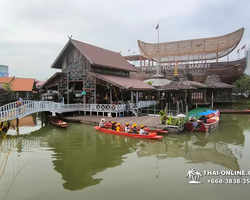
[[81, 163]]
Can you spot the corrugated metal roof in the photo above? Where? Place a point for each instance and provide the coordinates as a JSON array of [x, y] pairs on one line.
[[124, 82]]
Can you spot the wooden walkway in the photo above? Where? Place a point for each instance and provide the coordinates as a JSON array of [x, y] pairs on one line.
[[150, 121]]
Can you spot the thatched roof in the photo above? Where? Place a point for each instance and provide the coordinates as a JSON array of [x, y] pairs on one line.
[[196, 84], [214, 81], [182, 85]]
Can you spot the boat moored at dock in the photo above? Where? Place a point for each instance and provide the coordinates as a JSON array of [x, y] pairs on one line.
[[208, 121], [57, 122]]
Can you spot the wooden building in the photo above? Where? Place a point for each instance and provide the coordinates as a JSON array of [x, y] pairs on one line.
[[195, 93], [219, 91], [22, 87], [94, 75]]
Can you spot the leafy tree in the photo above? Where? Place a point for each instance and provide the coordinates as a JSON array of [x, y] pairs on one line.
[[242, 84], [8, 88]]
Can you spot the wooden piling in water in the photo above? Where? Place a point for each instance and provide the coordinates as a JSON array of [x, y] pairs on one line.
[[17, 126]]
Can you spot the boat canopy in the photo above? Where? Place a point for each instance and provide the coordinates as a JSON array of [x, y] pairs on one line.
[[208, 112], [192, 50]]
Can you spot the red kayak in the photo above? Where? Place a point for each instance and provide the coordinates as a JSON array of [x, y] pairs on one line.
[[150, 136], [57, 122], [147, 129]]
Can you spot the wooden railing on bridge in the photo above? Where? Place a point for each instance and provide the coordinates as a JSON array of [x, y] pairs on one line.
[[11, 111]]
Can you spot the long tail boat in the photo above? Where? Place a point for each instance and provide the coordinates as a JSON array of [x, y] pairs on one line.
[[147, 129], [57, 122], [209, 124], [149, 136]]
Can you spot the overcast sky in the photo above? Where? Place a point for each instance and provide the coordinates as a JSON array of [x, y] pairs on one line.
[[33, 32]]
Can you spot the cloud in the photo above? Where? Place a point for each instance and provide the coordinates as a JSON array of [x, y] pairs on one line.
[[34, 32]]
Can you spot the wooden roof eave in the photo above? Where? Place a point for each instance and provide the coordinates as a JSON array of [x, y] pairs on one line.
[[50, 79]]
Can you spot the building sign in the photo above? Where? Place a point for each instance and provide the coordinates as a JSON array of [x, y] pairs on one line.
[[179, 67], [4, 71], [83, 93]]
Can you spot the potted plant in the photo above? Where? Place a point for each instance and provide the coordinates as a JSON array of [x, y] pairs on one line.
[[163, 117]]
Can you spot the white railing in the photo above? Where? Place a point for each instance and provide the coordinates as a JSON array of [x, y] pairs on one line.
[[11, 111]]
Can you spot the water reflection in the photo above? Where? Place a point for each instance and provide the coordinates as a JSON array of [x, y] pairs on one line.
[[194, 149], [78, 157], [27, 125], [79, 153]]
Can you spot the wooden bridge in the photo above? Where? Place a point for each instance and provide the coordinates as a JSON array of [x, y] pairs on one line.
[[11, 111]]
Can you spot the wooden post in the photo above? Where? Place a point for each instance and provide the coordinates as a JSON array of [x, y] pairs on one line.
[[186, 112], [110, 95], [122, 95], [137, 98], [132, 96], [17, 126], [186, 97], [205, 95]]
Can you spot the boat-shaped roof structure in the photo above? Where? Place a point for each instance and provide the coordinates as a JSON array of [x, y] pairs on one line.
[[192, 50]]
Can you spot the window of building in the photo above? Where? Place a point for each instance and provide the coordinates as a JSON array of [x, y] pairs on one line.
[[197, 95]]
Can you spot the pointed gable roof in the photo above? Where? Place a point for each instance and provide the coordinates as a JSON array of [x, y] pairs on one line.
[[97, 56]]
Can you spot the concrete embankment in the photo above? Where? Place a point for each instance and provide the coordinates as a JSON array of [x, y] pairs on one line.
[[149, 121]]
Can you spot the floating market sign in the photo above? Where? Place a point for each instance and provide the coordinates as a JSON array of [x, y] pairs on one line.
[[172, 67]]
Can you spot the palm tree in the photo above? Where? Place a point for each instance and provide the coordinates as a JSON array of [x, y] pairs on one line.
[[197, 175], [191, 173]]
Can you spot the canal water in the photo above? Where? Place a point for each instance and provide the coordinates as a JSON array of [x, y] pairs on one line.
[[46, 162]]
